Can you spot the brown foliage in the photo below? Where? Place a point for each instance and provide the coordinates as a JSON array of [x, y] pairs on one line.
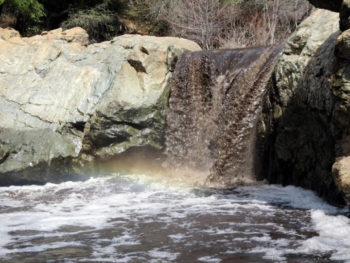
[[229, 23], [270, 23]]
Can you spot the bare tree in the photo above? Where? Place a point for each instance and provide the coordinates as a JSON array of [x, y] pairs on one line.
[[229, 23], [200, 20], [271, 20], [265, 22]]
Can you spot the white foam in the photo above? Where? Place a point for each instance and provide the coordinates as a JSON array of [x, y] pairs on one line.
[[249, 216], [264, 238], [126, 239], [162, 255], [209, 259], [177, 237], [39, 248], [295, 197], [277, 255], [334, 236]]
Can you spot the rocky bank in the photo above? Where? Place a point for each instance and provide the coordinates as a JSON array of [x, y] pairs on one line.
[[308, 117], [65, 103]]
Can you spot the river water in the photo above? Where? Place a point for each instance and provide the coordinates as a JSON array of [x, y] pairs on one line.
[[137, 219]]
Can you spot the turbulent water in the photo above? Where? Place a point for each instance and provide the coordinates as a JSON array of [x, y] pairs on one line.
[[135, 219], [215, 100]]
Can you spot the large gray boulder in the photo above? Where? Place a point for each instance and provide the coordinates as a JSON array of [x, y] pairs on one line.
[[64, 102]]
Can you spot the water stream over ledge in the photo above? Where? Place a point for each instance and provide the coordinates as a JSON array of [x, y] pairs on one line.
[[139, 219], [216, 99]]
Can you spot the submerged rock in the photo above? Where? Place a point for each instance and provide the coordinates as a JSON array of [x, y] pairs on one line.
[[341, 174], [63, 102]]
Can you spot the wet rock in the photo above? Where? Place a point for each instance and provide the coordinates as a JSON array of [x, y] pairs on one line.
[[301, 108], [341, 174], [340, 87], [63, 101]]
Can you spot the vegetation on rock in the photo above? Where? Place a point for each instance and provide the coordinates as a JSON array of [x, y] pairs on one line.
[[228, 23], [29, 14], [211, 23], [100, 20]]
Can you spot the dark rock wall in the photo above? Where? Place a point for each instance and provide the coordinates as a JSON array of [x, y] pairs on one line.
[[300, 147]]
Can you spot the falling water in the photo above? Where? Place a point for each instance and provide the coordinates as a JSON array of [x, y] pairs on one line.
[[214, 106], [215, 99]]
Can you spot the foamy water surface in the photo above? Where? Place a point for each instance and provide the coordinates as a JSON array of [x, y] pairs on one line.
[[134, 219]]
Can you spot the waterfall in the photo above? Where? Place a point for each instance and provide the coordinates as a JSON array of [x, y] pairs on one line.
[[216, 97]]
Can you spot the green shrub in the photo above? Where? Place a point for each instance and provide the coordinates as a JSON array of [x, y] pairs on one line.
[[29, 13], [98, 18], [100, 24]]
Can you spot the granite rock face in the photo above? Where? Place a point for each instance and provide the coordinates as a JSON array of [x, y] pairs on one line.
[[301, 108], [64, 102]]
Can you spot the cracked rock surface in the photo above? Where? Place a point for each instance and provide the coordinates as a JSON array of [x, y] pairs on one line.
[[61, 99]]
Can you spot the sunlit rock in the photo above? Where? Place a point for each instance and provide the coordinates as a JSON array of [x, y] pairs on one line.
[[341, 174], [60, 97], [340, 6], [7, 33], [343, 45]]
